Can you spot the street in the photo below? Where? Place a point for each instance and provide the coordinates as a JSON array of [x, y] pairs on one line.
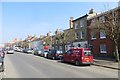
[[22, 65]]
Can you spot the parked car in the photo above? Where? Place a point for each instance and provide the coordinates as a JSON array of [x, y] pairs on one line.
[[2, 55], [44, 54], [78, 56], [10, 51], [55, 54], [1, 64], [39, 52], [35, 51], [25, 50], [30, 51]]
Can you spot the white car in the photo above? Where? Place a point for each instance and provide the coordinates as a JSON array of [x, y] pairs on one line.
[[45, 54], [39, 52], [10, 51], [29, 51]]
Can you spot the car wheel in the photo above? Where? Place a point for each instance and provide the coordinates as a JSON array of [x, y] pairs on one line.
[[77, 63]]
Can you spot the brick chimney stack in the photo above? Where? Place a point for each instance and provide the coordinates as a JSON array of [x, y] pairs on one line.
[[48, 34], [71, 23], [57, 31]]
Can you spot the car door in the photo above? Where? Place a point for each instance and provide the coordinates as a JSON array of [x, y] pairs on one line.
[[68, 55]]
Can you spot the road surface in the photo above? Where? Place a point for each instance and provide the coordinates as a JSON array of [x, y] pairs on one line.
[[22, 65]]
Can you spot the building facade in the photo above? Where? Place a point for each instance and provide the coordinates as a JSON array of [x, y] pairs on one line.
[[80, 32], [101, 45]]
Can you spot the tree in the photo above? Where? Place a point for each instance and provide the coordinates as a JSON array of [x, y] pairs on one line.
[[24, 44], [111, 26]]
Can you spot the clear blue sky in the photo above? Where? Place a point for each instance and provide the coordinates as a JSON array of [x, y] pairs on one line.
[[20, 19]]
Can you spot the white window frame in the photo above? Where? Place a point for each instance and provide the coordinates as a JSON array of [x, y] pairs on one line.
[[92, 36], [103, 48], [102, 35], [102, 18], [81, 23], [76, 35], [81, 35], [76, 25]]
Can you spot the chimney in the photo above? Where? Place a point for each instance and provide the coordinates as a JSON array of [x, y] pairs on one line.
[[71, 23], [48, 34], [91, 11], [57, 31]]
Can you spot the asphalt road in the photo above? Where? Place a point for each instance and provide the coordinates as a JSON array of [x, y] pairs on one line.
[[22, 65]]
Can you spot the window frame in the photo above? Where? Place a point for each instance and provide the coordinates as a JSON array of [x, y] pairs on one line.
[[103, 48], [81, 23], [76, 35], [92, 35], [82, 35], [101, 35], [76, 25], [102, 18]]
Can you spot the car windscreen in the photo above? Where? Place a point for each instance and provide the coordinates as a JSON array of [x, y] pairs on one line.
[[59, 52], [45, 51], [87, 52]]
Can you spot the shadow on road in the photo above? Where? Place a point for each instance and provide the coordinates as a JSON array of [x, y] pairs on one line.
[[59, 61]]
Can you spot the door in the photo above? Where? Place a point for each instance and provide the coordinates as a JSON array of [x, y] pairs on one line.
[[68, 56], [87, 56]]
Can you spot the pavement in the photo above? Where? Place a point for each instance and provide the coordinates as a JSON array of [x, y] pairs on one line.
[[106, 62]]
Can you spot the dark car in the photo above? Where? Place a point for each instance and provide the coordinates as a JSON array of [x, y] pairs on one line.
[[55, 54], [35, 51], [1, 64]]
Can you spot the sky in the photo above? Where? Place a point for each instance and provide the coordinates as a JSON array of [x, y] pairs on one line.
[[20, 19]]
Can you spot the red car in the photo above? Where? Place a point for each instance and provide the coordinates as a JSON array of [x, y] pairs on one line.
[[78, 56]]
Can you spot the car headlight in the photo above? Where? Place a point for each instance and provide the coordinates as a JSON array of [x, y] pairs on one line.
[[0, 64]]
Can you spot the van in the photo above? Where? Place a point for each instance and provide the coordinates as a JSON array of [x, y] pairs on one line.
[[78, 56]]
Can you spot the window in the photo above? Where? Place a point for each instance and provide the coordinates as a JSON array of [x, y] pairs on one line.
[[76, 35], [87, 53], [102, 35], [82, 35], [76, 25], [92, 21], [102, 18], [68, 52], [81, 23], [79, 45], [93, 35], [103, 48]]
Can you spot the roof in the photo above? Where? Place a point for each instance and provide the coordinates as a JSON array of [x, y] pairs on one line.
[[35, 39], [105, 12], [80, 18], [68, 29]]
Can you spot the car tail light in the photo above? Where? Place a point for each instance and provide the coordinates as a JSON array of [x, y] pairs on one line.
[[82, 58]]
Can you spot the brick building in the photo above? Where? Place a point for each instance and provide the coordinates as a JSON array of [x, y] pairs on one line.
[[101, 45]]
